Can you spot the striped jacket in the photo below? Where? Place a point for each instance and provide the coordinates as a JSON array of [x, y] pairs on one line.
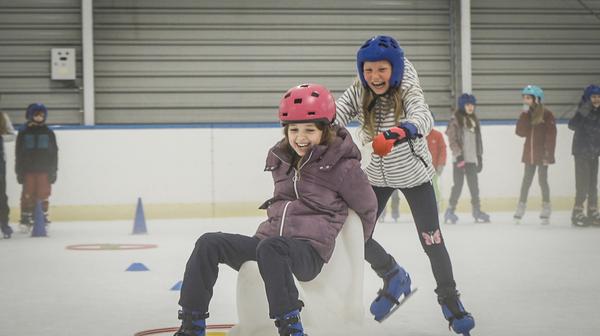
[[401, 168]]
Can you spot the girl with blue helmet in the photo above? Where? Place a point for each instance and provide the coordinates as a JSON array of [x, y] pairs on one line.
[[464, 136], [586, 149], [388, 102], [537, 125]]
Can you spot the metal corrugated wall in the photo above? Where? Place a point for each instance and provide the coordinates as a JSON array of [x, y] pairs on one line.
[[230, 61], [552, 43], [28, 30]]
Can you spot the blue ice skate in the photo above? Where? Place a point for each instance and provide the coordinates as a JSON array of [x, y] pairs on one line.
[[289, 324], [460, 321], [192, 323], [396, 284]]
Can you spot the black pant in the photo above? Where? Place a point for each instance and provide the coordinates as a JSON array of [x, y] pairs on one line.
[[470, 170], [423, 206], [279, 258], [4, 209], [586, 181], [528, 179]]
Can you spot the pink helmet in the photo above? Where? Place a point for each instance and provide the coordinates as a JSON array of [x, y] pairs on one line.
[[307, 103]]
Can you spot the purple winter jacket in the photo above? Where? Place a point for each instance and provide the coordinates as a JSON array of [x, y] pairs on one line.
[[312, 203]]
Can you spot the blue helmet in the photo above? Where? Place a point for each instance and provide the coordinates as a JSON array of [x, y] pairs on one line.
[[380, 48], [534, 90], [592, 89], [36, 107], [465, 99]]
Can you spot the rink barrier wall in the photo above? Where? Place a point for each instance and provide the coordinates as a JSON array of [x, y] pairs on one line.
[[216, 170]]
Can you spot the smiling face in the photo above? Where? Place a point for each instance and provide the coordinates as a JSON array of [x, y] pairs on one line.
[[595, 99], [378, 74], [302, 137]]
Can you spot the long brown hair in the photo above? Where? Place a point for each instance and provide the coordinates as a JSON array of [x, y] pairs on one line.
[[368, 102], [3, 124], [329, 134], [537, 113], [465, 120]]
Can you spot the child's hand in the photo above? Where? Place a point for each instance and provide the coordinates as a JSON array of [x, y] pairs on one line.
[[384, 142], [460, 161]]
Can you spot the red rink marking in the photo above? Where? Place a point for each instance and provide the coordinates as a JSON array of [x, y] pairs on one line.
[[218, 328]]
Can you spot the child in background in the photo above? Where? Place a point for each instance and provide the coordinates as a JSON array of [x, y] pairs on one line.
[[317, 177], [586, 148], [437, 148], [464, 135], [8, 134], [36, 163], [537, 125]]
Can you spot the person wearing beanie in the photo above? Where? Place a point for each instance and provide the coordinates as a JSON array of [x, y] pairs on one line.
[[464, 136], [36, 163], [586, 149]]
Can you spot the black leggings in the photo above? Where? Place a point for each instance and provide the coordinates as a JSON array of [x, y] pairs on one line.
[[278, 259], [4, 209], [528, 179], [423, 206], [470, 170], [586, 181]]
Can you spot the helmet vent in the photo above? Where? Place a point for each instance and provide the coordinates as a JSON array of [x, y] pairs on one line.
[[312, 113], [287, 95], [285, 114], [381, 44], [298, 101], [304, 85], [315, 94]]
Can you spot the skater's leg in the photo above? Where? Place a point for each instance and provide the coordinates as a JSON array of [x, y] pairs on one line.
[[593, 183], [375, 254], [582, 185], [421, 200], [4, 209], [202, 269], [423, 206], [279, 260], [543, 181], [472, 183], [458, 175], [43, 191], [528, 174], [28, 199], [582, 181]]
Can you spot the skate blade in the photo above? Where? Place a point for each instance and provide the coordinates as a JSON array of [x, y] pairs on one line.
[[400, 303]]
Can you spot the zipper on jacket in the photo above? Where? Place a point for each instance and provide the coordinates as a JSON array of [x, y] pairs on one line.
[[283, 217], [295, 180]]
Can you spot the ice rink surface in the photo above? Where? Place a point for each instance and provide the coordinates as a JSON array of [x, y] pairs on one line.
[[525, 279]]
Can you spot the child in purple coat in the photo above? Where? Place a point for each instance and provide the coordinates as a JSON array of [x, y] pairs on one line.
[[317, 178]]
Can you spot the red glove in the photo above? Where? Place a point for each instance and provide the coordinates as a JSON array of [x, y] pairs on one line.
[[384, 142]]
